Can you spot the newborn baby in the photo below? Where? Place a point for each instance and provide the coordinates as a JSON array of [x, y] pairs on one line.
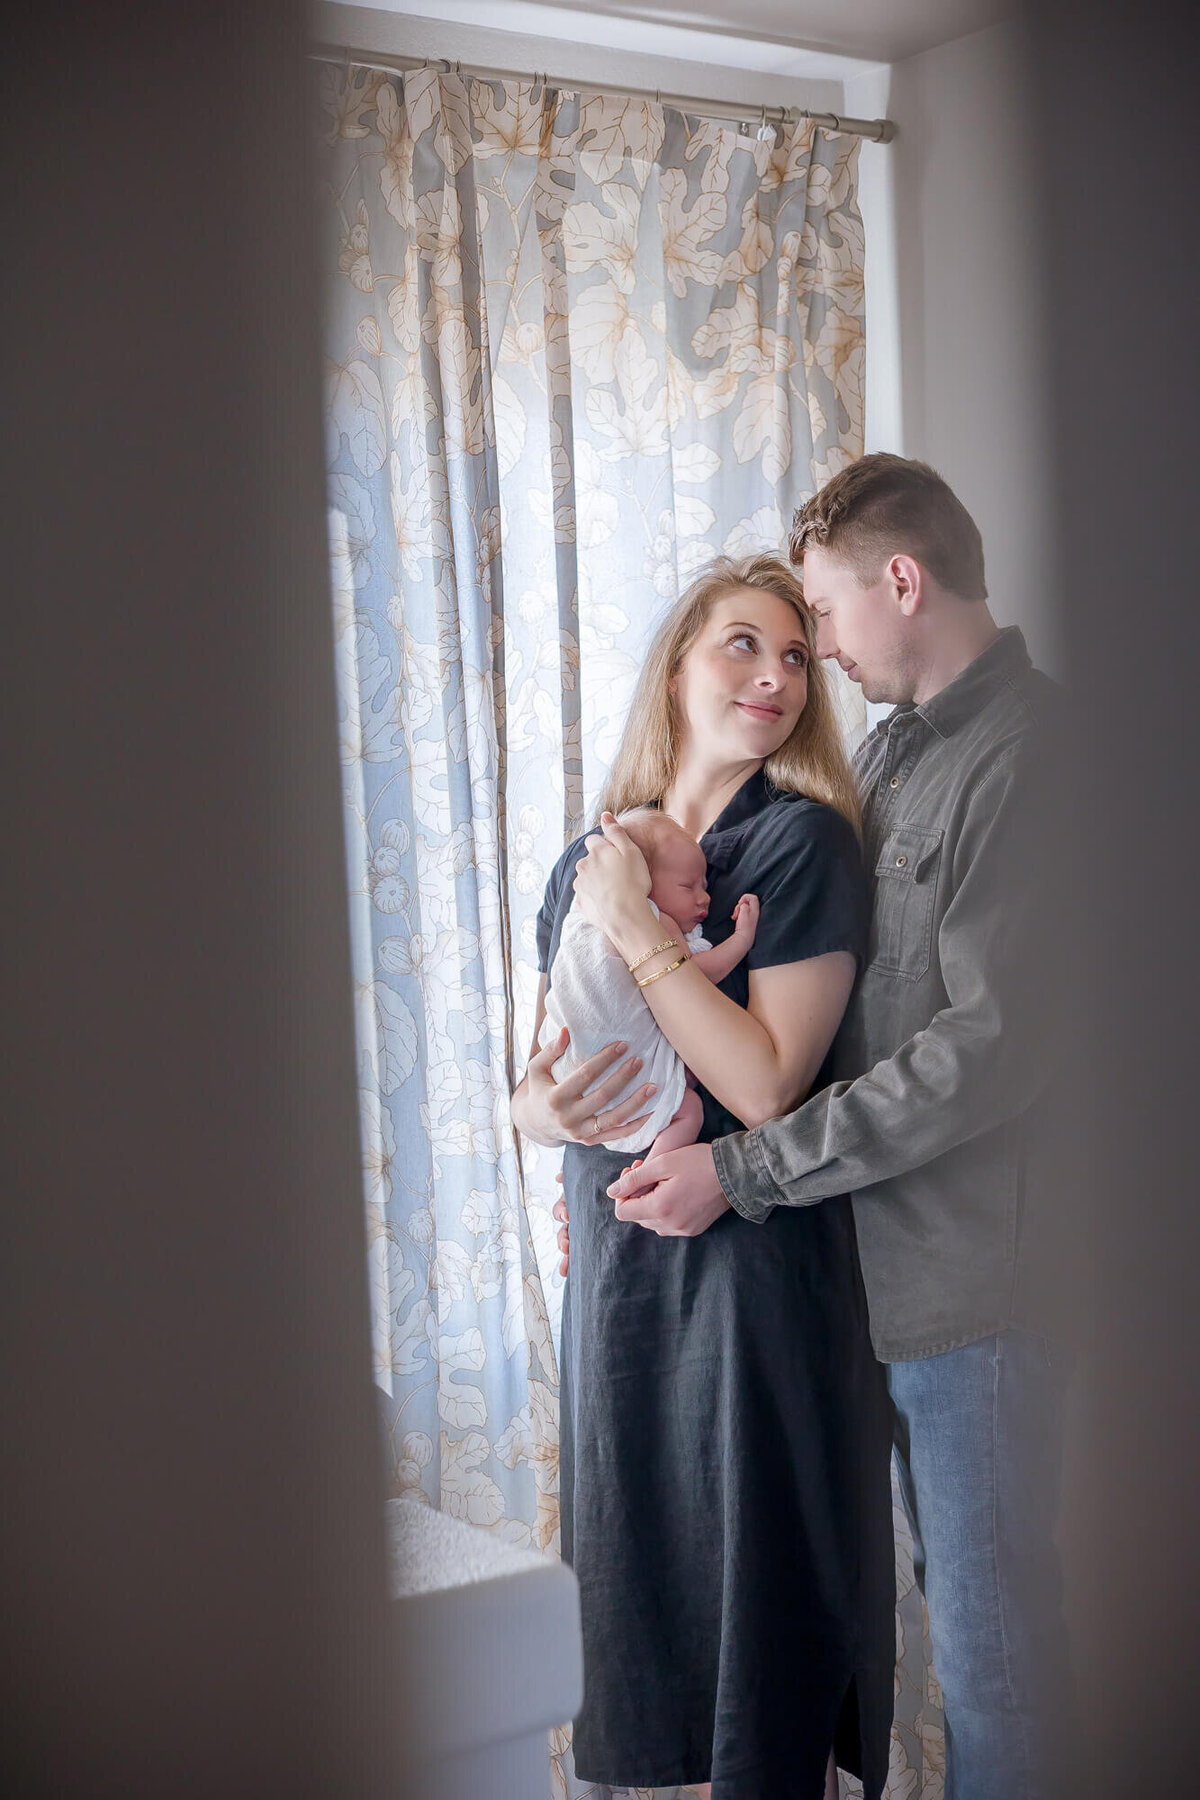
[[594, 995]]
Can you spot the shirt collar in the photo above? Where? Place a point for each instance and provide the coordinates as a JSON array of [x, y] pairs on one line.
[[952, 706]]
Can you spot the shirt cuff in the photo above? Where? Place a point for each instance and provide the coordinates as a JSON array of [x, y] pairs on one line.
[[742, 1173]]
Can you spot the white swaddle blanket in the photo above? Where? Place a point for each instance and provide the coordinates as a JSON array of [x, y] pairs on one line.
[[593, 994]]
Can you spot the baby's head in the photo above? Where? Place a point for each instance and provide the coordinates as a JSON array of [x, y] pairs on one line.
[[678, 871]]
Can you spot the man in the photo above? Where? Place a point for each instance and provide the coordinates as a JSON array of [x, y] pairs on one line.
[[934, 1123]]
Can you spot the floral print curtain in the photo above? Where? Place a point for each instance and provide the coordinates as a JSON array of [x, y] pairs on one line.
[[577, 345]]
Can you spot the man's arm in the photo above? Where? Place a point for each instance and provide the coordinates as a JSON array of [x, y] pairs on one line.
[[982, 1059]]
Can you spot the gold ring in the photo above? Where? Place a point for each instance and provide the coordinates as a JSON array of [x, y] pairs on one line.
[[595, 1124]]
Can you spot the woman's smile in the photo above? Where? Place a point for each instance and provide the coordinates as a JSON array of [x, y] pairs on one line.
[[760, 709]]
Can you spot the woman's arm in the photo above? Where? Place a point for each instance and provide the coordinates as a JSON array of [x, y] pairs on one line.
[[722, 959], [553, 1113], [758, 1062]]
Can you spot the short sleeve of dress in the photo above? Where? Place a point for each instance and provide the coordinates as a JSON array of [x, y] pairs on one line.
[[547, 913], [551, 909], [805, 865]]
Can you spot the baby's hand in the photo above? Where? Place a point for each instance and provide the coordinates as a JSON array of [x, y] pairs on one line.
[[745, 919]]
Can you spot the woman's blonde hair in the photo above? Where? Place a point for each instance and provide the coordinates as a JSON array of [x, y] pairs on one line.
[[810, 761]]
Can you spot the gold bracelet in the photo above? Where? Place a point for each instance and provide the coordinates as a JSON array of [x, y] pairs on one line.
[[659, 973], [667, 944]]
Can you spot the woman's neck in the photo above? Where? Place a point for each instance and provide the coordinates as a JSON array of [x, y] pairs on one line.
[[700, 793]]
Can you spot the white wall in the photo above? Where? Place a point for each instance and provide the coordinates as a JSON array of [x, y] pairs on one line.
[[954, 355], [588, 47]]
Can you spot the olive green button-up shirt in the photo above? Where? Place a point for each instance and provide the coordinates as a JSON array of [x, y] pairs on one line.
[[943, 1058]]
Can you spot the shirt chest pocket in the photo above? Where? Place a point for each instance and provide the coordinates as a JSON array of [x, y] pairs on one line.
[[906, 876]]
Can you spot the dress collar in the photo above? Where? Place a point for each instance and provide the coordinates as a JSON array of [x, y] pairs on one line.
[[754, 793]]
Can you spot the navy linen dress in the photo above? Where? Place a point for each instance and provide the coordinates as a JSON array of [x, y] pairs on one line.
[[725, 1429]]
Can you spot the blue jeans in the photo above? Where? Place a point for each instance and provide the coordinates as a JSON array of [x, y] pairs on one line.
[[978, 1442]]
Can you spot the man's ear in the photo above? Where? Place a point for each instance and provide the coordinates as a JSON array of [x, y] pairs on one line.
[[904, 573]]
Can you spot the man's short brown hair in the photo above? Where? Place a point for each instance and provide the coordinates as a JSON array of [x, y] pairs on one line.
[[884, 504]]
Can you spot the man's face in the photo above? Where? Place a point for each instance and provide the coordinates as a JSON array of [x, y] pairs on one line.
[[863, 628]]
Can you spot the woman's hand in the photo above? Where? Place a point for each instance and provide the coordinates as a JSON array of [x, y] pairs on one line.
[[612, 881], [563, 1112]]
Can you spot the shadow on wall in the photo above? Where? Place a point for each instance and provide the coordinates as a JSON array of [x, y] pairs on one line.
[[966, 191]]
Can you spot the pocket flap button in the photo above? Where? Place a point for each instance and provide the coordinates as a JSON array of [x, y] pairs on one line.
[[902, 862]]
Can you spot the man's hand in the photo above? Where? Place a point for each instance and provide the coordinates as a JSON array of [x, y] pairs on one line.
[[564, 1237], [676, 1195]]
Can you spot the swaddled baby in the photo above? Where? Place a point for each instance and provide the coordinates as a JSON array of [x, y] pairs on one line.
[[595, 996]]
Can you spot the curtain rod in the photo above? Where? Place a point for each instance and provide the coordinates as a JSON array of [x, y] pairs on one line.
[[881, 131]]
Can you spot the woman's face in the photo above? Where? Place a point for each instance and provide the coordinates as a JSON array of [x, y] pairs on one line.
[[744, 681]]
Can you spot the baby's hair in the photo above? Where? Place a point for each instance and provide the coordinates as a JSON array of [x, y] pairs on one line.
[[647, 826]]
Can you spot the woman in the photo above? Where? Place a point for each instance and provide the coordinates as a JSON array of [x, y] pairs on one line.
[[725, 1429]]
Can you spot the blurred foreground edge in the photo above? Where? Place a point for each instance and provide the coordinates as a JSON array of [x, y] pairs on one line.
[[195, 1594], [1113, 241], [192, 1543]]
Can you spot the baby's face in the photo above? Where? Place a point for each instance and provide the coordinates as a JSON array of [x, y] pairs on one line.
[[678, 884]]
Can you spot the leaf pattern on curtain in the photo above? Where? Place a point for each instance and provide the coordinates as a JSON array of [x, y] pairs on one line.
[[577, 345]]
